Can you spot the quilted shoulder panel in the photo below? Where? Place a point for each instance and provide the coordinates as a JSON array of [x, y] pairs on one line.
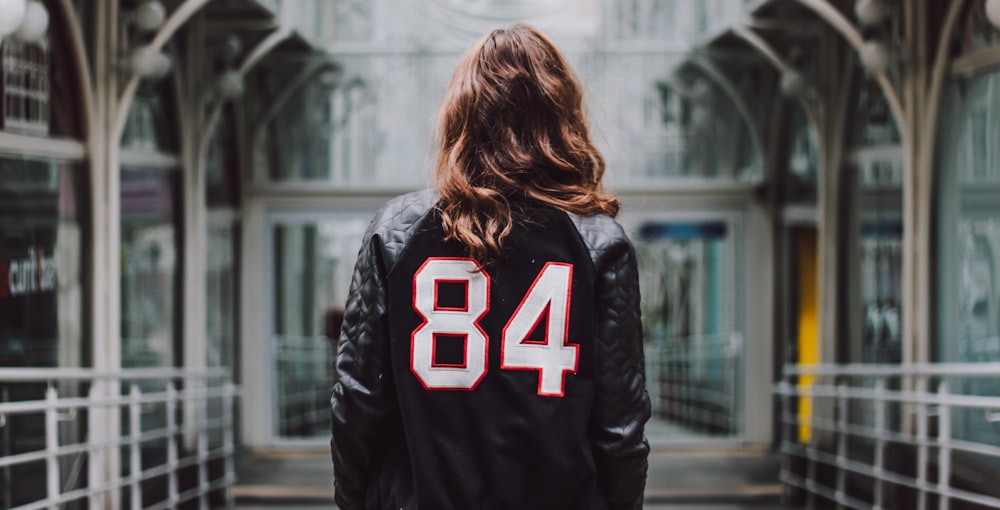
[[599, 233], [397, 221]]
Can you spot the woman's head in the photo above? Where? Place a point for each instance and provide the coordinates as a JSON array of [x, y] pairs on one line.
[[511, 127]]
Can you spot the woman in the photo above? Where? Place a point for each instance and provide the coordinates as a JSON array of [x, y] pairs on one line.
[[491, 353]]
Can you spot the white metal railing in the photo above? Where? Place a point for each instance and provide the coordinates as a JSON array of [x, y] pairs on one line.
[[304, 381], [169, 430], [873, 436], [693, 382]]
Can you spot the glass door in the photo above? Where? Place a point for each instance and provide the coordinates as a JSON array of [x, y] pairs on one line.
[[690, 285], [312, 260]]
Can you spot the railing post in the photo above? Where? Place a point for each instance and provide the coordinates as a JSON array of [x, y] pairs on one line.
[[922, 438], [944, 446], [734, 356], [135, 446], [52, 446], [228, 446], [95, 450], [787, 438], [881, 423], [171, 405], [201, 421], [812, 446], [840, 436]]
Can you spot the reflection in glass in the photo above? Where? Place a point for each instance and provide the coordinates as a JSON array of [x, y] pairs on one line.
[[222, 183], [881, 291], [220, 313], [313, 263], [685, 119], [969, 223], [41, 247], [979, 303], [976, 32], [42, 258], [298, 137], [26, 88], [693, 353], [151, 125], [872, 113], [876, 157], [352, 144], [149, 272], [968, 234], [220, 308], [801, 182]]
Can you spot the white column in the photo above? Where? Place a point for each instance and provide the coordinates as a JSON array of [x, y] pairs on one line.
[[192, 117], [105, 267]]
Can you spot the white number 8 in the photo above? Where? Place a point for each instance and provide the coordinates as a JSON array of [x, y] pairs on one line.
[[548, 298]]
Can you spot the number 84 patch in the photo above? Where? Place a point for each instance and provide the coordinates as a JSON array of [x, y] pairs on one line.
[[547, 299]]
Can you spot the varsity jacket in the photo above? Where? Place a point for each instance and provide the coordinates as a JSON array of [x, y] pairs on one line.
[[518, 385]]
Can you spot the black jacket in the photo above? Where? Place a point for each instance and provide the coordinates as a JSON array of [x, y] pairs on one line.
[[517, 387]]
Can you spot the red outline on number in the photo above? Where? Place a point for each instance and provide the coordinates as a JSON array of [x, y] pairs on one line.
[[465, 347], [475, 322], [437, 308], [566, 342], [545, 314]]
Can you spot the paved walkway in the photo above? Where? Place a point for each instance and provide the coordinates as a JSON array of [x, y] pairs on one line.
[[706, 478]]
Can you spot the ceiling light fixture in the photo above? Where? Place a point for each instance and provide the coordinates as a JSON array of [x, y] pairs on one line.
[[35, 24], [871, 12], [11, 15], [993, 12]]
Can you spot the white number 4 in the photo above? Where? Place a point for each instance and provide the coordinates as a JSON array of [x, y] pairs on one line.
[[548, 299]]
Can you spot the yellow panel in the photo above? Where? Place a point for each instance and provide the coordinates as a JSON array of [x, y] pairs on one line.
[[808, 281]]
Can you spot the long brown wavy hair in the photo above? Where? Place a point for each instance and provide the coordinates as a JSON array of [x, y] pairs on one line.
[[512, 131]]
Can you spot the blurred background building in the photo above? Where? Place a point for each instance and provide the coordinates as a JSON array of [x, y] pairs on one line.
[[813, 187]]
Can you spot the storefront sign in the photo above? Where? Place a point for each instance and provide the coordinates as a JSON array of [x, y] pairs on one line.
[[31, 275]]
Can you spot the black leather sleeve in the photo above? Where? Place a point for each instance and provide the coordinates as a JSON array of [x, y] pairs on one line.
[[621, 407], [359, 404], [363, 400]]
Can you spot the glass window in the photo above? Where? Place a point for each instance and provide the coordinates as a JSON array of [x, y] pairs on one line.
[[313, 264], [693, 349], [875, 171], [705, 115], [221, 277], [151, 122], [668, 128], [881, 290], [351, 124], [150, 267], [647, 20], [967, 196], [298, 138], [41, 264], [968, 233], [978, 32], [39, 83], [802, 168], [352, 20], [222, 183], [26, 86]]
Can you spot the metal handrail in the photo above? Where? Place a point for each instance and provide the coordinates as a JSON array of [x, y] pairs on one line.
[[184, 428], [911, 369], [829, 410], [704, 397], [19, 374]]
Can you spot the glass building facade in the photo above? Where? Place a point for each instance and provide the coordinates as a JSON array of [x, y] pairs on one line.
[[791, 204]]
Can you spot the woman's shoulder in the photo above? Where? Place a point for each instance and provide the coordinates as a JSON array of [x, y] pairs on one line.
[[405, 210], [600, 233]]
